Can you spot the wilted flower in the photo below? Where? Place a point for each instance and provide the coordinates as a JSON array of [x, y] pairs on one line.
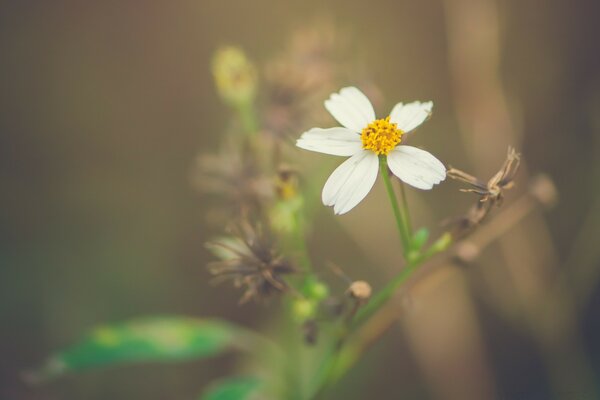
[[491, 193], [249, 260], [367, 139]]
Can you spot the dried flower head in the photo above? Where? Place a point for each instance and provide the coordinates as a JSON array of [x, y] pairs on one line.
[[360, 291], [235, 176], [249, 260], [491, 193], [297, 79]]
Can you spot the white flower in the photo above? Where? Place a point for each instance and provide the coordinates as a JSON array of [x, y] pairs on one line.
[[365, 138]]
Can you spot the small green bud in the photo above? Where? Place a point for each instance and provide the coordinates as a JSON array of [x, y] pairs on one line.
[[412, 255], [442, 243], [303, 309], [283, 215], [235, 76], [419, 239], [315, 290]]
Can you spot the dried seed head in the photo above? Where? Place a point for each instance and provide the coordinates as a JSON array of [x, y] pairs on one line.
[[360, 290], [234, 176], [492, 190], [249, 260], [490, 193], [298, 79]]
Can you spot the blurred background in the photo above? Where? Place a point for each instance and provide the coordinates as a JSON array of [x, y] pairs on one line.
[[105, 106]]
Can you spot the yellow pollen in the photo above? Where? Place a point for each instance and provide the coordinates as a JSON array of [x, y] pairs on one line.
[[381, 136]]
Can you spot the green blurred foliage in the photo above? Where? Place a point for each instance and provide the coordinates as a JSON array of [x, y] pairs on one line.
[[236, 388], [157, 339]]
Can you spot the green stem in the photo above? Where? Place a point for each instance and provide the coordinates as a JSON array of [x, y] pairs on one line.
[[248, 118], [333, 370], [389, 290], [385, 294], [326, 373], [405, 208], [398, 213], [300, 243]]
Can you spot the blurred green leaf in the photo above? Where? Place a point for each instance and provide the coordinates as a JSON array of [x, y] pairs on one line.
[[237, 388], [145, 339]]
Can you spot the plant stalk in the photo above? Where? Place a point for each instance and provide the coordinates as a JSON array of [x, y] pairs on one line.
[[403, 229]]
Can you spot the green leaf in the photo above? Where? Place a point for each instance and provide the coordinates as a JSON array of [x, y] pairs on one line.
[[160, 339], [237, 388]]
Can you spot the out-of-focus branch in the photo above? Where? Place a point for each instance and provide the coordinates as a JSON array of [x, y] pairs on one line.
[[541, 192], [485, 122]]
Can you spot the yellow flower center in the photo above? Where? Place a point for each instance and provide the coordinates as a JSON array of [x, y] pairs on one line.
[[381, 136]]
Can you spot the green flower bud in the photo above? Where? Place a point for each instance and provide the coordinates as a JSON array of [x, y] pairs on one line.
[[303, 309], [419, 239], [315, 290], [235, 76], [442, 243]]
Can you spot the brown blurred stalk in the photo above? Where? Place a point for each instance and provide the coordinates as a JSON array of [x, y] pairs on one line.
[[527, 253]]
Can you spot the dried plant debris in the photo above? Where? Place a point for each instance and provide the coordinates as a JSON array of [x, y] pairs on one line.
[[297, 80], [490, 194], [249, 260], [310, 331], [235, 176]]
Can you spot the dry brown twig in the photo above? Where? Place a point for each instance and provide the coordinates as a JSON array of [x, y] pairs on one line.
[[491, 192]]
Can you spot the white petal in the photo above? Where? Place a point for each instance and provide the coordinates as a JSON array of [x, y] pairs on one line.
[[351, 181], [334, 141], [409, 116], [416, 167], [360, 101], [351, 108]]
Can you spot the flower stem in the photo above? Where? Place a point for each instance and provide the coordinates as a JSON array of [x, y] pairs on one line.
[[248, 118], [389, 290], [384, 295], [336, 368], [405, 208], [398, 212]]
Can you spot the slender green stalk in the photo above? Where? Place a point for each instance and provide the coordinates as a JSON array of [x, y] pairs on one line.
[[333, 370], [390, 289], [405, 209], [385, 294], [398, 213], [248, 118], [301, 246]]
